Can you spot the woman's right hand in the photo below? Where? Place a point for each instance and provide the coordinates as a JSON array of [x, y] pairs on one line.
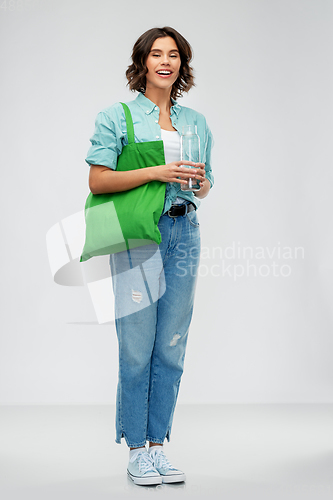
[[172, 171]]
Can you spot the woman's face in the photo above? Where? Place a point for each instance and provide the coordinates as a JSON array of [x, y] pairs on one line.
[[163, 64]]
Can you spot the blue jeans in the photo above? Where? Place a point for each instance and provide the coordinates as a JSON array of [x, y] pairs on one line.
[[154, 288]]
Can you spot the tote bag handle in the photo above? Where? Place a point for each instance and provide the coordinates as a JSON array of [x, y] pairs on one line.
[[129, 124]]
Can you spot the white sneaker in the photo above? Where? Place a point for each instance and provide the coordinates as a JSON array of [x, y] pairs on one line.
[[169, 473], [141, 469]]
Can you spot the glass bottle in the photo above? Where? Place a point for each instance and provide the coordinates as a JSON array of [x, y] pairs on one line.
[[190, 151]]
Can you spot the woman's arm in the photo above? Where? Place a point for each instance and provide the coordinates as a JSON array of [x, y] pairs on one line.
[[105, 180], [209, 181]]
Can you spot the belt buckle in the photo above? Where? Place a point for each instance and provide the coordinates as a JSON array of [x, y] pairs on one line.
[[177, 215], [169, 214]]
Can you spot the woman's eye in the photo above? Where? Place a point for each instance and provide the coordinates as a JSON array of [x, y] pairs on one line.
[[158, 55]]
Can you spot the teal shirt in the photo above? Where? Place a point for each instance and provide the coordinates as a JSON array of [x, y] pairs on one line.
[[110, 136]]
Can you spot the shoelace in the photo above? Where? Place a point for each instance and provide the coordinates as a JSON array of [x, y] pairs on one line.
[[160, 460], [145, 461]]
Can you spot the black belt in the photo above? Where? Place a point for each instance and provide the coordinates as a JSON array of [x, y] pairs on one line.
[[177, 210]]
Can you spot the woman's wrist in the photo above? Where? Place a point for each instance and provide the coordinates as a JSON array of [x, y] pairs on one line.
[[150, 173]]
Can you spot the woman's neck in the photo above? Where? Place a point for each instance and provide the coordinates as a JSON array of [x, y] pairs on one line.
[[160, 97]]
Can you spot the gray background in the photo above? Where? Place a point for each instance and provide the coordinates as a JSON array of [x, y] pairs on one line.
[[264, 82]]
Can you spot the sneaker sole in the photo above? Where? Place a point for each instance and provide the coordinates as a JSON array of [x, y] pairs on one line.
[[150, 480], [177, 478]]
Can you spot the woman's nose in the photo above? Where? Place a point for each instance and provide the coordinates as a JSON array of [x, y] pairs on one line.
[[165, 59]]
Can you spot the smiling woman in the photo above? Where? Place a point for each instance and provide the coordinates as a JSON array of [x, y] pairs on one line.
[[153, 43], [153, 308], [163, 63]]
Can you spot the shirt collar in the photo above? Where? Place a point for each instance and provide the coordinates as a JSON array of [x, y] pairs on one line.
[[148, 106], [175, 107]]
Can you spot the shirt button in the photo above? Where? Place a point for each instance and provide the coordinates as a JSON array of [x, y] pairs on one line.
[[147, 112], [156, 108], [157, 137], [156, 121]]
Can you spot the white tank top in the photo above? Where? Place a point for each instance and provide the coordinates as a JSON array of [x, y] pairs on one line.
[[171, 141]]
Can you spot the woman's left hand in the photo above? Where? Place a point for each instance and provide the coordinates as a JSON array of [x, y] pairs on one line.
[[204, 183]]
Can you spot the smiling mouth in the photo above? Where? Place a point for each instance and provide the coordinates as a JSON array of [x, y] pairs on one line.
[[163, 72]]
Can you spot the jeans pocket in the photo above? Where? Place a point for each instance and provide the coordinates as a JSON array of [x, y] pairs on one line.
[[192, 217]]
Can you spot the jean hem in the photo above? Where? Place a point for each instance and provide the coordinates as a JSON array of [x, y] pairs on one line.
[[130, 445], [154, 440]]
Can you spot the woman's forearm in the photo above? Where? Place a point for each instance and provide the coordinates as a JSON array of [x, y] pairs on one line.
[[104, 180]]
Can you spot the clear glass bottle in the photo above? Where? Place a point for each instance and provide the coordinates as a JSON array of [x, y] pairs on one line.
[[190, 151]]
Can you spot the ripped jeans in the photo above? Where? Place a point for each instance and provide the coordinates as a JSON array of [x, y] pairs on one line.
[[154, 288]]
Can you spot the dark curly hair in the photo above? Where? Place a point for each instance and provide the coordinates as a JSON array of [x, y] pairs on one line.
[[136, 72]]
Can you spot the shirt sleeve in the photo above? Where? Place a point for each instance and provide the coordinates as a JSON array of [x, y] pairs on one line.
[[106, 143], [208, 150]]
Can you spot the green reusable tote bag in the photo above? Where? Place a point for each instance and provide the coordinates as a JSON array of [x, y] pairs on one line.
[[127, 219]]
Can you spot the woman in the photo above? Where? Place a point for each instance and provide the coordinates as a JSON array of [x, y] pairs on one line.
[[154, 284]]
